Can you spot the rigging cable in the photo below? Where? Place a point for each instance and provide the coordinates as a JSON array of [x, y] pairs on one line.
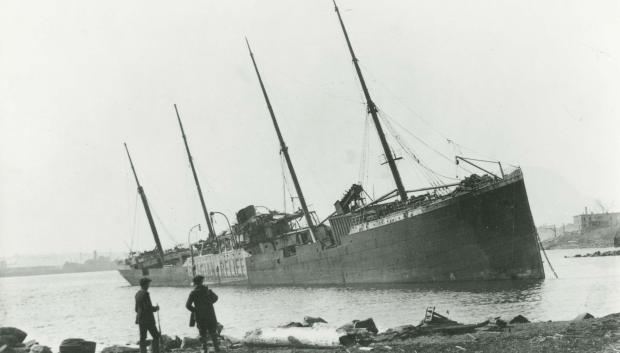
[[363, 168], [431, 175], [135, 222], [163, 225], [427, 145], [419, 116], [285, 185]]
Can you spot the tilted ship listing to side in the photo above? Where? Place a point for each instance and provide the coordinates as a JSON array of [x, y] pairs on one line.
[[176, 267], [164, 267], [479, 229]]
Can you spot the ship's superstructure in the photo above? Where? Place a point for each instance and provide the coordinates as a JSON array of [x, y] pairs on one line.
[[480, 228]]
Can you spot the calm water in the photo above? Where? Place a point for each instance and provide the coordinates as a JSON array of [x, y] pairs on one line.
[[99, 306]]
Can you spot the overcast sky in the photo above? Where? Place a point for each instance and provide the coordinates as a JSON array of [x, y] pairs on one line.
[[530, 83]]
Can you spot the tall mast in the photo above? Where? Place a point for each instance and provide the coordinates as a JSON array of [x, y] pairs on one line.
[[160, 250], [372, 109], [191, 163], [284, 149]]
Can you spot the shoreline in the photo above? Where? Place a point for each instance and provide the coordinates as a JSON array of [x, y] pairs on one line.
[[583, 334]]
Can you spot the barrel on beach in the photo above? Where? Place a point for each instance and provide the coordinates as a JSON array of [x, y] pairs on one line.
[[77, 345]]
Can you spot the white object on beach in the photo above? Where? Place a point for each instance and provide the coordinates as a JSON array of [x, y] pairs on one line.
[[319, 335]]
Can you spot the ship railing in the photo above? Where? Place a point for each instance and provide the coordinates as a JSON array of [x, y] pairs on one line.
[[377, 210]]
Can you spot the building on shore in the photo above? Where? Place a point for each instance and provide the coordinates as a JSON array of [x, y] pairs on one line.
[[588, 221]]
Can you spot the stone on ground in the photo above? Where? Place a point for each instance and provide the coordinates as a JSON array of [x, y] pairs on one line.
[[309, 320], [37, 348], [19, 335], [519, 319], [583, 316], [120, 349]]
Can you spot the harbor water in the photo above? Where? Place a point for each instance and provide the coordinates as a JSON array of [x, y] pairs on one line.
[[99, 306]]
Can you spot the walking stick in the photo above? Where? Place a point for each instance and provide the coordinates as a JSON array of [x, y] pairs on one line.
[[159, 327]]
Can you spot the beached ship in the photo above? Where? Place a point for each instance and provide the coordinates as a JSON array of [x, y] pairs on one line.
[[164, 267], [478, 229], [219, 258]]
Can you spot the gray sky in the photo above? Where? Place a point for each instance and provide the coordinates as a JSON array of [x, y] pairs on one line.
[[530, 83]]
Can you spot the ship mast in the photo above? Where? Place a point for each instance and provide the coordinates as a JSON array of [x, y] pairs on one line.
[[284, 150], [372, 109], [160, 250], [191, 163]]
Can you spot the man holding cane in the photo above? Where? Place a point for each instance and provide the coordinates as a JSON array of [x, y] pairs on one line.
[[144, 316]]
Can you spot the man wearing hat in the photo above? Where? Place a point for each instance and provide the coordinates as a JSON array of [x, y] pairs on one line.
[[200, 303], [144, 316]]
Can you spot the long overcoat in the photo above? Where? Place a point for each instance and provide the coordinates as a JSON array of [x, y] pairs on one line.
[[200, 303], [144, 308]]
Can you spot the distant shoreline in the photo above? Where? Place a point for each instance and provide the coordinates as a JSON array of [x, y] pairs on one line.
[[44, 270]]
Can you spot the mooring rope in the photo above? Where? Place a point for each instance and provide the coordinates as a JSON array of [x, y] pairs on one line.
[[546, 257]]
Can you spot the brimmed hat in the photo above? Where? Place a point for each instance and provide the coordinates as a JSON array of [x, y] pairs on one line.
[[145, 280], [198, 279]]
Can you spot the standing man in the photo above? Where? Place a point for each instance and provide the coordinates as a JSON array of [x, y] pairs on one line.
[[145, 318], [200, 303]]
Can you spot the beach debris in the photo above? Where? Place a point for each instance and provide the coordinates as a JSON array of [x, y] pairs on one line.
[[228, 341], [353, 336], [37, 348], [368, 324], [30, 343], [3, 347], [12, 334], [169, 343], [236, 345], [495, 324], [292, 324], [583, 316], [190, 342], [358, 332], [77, 345], [309, 320], [433, 317], [120, 349], [519, 319], [316, 336], [19, 349], [399, 332], [460, 348]]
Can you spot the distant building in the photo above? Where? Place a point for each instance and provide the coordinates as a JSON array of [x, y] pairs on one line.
[[547, 231], [587, 221]]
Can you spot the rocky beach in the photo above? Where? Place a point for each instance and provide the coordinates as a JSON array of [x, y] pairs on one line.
[[435, 333]]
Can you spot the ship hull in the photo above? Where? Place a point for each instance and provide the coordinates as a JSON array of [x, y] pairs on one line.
[[173, 276], [487, 234], [225, 269]]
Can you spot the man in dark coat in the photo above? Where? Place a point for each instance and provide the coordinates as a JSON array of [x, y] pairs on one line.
[[200, 303], [144, 316]]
